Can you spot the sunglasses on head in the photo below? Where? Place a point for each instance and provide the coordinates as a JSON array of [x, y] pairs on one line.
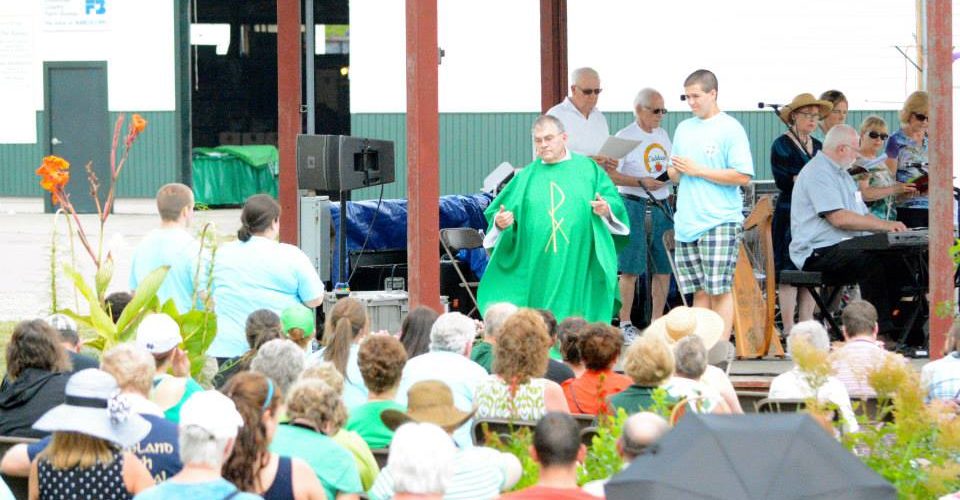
[[873, 134], [590, 91], [920, 116]]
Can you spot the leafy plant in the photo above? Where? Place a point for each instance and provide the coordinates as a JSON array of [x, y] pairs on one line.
[[603, 460], [518, 443]]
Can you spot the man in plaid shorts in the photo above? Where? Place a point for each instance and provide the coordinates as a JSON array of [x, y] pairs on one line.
[[711, 160]]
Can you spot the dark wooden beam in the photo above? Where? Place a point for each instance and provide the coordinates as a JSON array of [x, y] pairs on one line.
[[423, 151], [553, 52], [939, 78], [289, 121]]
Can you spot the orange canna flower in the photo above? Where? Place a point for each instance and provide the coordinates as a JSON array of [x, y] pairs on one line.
[[54, 175], [138, 123]]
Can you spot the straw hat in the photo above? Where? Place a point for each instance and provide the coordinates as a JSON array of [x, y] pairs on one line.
[[801, 101], [683, 321], [94, 407], [428, 401]]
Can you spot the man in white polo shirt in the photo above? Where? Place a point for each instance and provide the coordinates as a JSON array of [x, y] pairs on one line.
[[585, 125], [635, 177]]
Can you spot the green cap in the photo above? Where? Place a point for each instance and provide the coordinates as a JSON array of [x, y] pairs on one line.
[[299, 316]]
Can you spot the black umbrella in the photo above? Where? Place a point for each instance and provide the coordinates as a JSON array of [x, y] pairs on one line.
[[746, 457]]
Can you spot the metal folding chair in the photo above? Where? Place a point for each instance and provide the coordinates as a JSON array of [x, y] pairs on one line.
[[462, 238]]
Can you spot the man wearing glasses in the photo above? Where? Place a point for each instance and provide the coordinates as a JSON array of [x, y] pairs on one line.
[[637, 179], [711, 160], [827, 208], [586, 126]]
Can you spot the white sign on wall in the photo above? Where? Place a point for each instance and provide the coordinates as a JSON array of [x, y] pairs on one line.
[[76, 15], [19, 124]]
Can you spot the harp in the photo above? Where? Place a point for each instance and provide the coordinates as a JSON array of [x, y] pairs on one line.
[[754, 287]]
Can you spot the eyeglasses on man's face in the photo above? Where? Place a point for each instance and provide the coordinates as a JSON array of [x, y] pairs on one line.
[[656, 111], [590, 91]]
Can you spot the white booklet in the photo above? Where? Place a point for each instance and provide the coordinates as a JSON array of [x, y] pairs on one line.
[[616, 147]]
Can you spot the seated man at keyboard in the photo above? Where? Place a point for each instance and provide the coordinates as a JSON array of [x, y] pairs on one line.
[[828, 208]]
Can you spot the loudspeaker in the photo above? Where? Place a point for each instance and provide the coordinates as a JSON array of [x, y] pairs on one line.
[[336, 163]]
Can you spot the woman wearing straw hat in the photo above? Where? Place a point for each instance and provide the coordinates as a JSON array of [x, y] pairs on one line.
[[789, 153], [682, 322], [85, 457]]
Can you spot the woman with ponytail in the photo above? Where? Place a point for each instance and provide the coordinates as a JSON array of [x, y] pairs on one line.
[[252, 467], [258, 272], [345, 328]]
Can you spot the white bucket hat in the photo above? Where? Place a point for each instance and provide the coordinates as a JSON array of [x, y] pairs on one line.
[[95, 407], [683, 321]]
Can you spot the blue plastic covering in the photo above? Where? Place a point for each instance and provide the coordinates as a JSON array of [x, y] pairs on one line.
[[390, 227]]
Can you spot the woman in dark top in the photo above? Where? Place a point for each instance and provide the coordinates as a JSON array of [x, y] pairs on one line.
[[789, 153], [251, 466], [37, 373]]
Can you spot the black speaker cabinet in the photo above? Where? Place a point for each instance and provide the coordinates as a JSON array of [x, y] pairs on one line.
[[334, 163]]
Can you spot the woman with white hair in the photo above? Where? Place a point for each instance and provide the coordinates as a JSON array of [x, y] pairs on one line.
[[421, 457], [795, 384]]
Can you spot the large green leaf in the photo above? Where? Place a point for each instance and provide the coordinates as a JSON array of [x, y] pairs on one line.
[[145, 293], [99, 319], [103, 277], [170, 309], [198, 329]]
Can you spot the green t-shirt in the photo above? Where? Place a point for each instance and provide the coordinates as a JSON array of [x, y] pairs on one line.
[[365, 421], [633, 399], [332, 463], [189, 389], [482, 354], [363, 458]]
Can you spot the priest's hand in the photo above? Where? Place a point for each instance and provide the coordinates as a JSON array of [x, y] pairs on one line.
[[504, 218], [600, 206]]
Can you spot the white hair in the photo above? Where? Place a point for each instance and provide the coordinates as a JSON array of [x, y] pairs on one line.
[[495, 316], [452, 332], [644, 97], [810, 331], [584, 72], [544, 120], [691, 357], [197, 446], [839, 135], [281, 360], [421, 459]]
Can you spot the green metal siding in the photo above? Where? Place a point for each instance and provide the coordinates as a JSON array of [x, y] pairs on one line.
[[473, 144], [152, 162]]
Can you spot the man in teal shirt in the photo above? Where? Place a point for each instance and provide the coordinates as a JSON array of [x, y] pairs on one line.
[[711, 160]]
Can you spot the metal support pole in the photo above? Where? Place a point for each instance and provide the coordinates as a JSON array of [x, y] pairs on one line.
[[423, 144], [288, 115], [939, 80], [553, 52]]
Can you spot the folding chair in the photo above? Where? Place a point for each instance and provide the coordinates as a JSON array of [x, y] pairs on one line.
[[462, 238]]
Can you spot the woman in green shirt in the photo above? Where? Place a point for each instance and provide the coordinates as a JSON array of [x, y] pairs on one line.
[[649, 362], [381, 359]]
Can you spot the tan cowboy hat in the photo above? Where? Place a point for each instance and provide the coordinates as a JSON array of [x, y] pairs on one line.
[[683, 321], [801, 101], [428, 401]]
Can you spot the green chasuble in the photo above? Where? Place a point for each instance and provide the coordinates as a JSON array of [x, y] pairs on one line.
[[558, 254]]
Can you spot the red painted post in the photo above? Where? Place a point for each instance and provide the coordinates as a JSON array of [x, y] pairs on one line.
[[940, 87], [553, 52], [423, 151], [289, 121]]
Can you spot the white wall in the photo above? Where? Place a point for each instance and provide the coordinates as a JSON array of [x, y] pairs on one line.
[[137, 41], [760, 50]]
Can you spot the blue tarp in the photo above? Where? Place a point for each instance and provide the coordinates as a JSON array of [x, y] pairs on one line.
[[389, 230]]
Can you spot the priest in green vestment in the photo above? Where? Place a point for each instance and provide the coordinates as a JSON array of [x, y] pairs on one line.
[[555, 231]]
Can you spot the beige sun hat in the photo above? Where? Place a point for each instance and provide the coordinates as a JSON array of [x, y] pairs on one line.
[[428, 401], [683, 321], [802, 101]]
